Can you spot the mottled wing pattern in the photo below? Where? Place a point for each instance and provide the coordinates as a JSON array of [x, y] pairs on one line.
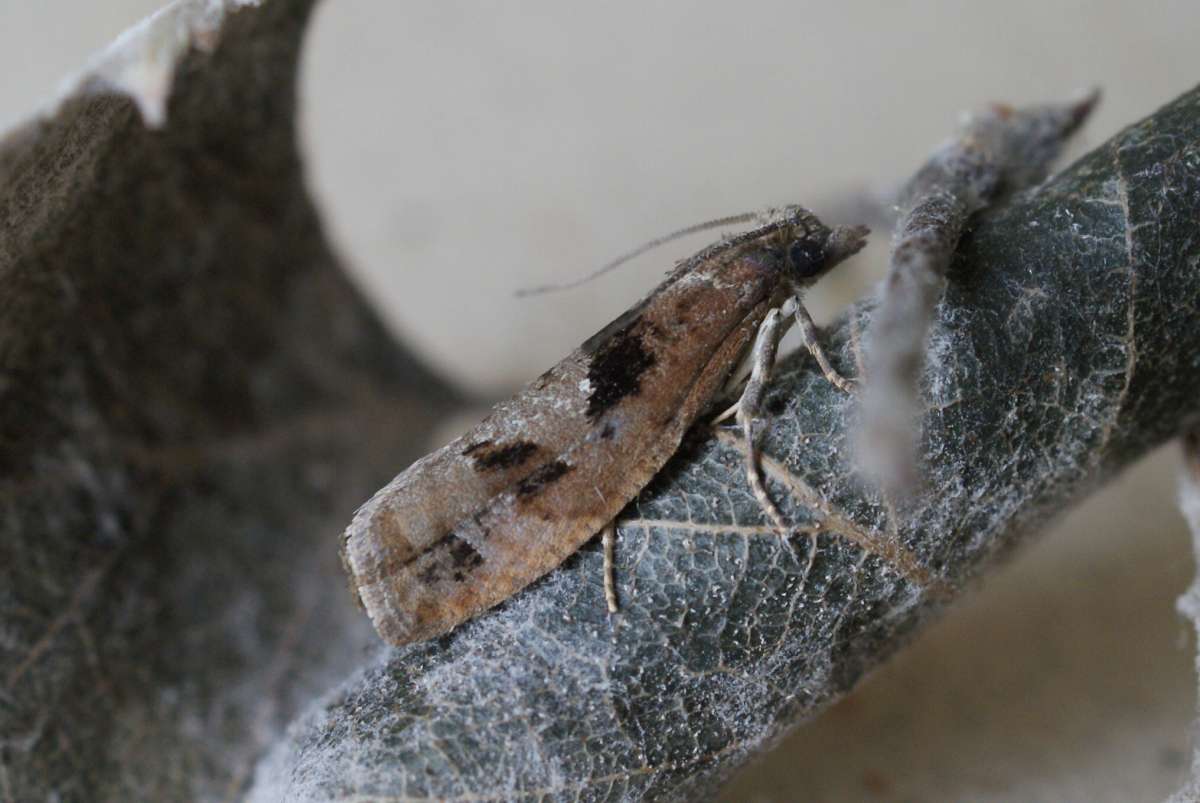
[[469, 525]]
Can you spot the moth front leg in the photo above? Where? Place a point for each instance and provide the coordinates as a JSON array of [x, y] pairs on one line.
[[792, 311], [808, 331]]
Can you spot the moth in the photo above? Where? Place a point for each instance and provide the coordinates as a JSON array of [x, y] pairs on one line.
[[471, 524]]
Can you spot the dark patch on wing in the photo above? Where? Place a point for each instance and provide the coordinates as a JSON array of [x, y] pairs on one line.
[[607, 432], [621, 323], [543, 476], [431, 573], [463, 555], [474, 447], [461, 558], [499, 457], [616, 370]]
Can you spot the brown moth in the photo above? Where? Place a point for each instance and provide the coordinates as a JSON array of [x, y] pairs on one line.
[[470, 525]]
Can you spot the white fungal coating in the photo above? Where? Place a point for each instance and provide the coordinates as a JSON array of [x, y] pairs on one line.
[[998, 151]]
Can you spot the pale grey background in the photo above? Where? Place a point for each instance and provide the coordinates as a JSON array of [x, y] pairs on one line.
[[465, 149]]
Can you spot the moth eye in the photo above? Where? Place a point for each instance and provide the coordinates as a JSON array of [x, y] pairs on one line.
[[806, 258]]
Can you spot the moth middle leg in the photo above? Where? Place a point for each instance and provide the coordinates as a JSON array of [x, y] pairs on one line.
[[749, 410]]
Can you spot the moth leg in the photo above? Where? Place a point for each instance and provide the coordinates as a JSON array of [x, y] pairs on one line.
[[746, 365], [808, 331], [737, 379], [749, 409], [730, 412], [608, 536]]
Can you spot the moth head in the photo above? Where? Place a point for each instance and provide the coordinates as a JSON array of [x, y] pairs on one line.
[[813, 248], [806, 257]]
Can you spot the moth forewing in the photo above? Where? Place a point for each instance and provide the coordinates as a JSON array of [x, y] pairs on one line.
[[473, 523]]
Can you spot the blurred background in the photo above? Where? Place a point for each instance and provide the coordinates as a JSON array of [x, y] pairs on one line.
[[464, 150]]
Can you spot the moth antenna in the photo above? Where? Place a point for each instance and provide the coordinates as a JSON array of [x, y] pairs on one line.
[[731, 220]]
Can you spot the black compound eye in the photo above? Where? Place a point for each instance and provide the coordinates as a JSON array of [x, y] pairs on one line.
[[806, 258]]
